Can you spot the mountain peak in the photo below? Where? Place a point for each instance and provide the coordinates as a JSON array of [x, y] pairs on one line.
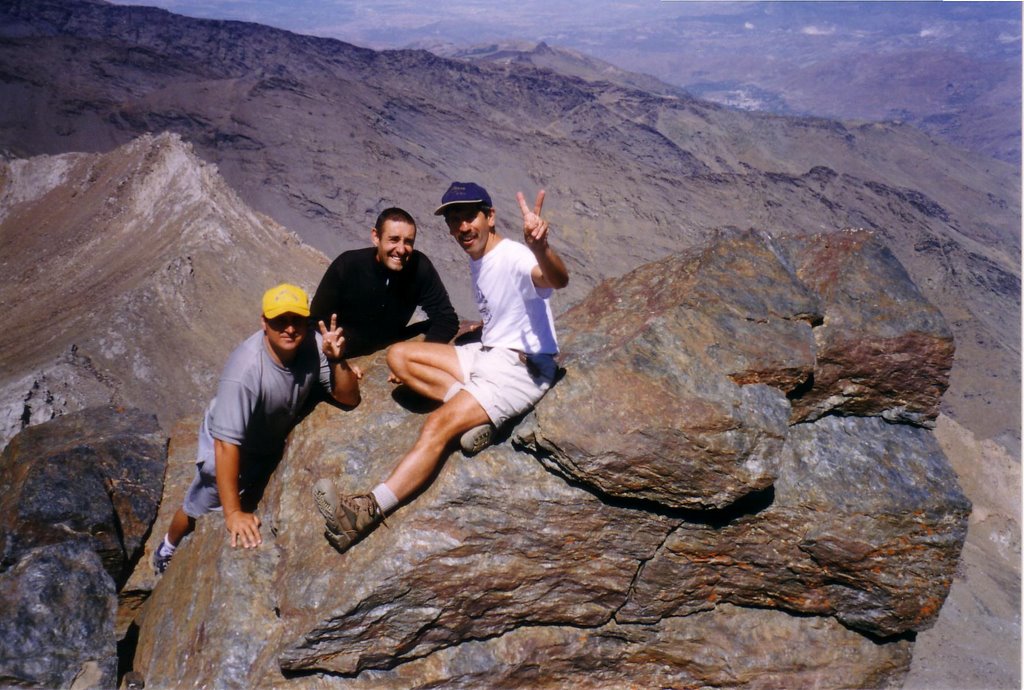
[[131, 244]]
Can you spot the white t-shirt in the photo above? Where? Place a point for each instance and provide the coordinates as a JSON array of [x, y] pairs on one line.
[[516, 314]]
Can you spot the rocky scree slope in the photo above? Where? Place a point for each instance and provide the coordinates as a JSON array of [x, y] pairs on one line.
[[128, 278]]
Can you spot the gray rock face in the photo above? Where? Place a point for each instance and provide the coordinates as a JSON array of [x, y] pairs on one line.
[[866, 524], [95, 475], [58, 623], [77, 498], [535, 563]]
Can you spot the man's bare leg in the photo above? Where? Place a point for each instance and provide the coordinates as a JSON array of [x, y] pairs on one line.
[[430, 369], [349, 518], [181, 525], [459, 414]]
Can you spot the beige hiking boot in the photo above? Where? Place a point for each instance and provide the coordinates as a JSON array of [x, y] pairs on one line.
[[348, 518], [476, 439]]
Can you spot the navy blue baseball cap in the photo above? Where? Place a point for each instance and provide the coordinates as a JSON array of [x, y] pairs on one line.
[[463, 193]]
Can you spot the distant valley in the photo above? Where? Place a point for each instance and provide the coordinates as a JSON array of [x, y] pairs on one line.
[[969, 102]]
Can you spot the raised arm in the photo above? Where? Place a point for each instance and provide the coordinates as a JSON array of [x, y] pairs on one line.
[[550, 272]]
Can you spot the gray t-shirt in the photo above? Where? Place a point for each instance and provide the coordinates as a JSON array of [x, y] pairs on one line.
[[258, 400]]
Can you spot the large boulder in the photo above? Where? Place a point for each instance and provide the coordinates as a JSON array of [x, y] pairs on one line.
[[95, 475], [866, 523], [796, 553], [77, 498], [683, 374], [882, 348], [57, 630]]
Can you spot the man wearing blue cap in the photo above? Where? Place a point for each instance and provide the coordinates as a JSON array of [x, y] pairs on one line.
[[261, 392], [483, 384]]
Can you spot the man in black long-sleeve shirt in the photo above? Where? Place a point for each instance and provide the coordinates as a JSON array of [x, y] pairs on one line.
[[374, 291]]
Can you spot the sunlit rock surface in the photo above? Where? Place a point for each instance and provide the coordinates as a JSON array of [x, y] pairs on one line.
[[814, 570]]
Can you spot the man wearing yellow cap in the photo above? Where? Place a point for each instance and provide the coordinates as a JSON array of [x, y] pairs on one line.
[[262, 389]]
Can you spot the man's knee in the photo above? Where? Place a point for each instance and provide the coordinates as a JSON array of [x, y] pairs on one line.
[[460, 413], [440, 426], [397, 356]]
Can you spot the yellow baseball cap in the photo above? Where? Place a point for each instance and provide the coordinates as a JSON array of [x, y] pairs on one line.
[[284, 299]]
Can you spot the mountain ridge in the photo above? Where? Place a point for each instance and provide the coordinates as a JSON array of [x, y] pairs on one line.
[[321, 135], [138, 300]]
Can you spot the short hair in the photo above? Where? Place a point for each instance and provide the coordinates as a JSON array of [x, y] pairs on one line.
[[392, 213]]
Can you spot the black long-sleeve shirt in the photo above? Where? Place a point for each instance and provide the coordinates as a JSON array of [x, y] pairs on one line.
[[374, 304]]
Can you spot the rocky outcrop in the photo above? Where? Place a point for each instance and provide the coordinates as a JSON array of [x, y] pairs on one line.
[[77, 498], [683, 390], [881, 348], [775, 551]]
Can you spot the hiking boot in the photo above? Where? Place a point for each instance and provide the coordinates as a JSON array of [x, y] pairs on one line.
[[476, 439], [161, 558], [348, 518]]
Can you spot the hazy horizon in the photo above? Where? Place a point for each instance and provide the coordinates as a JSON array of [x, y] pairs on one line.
[[976, 27]]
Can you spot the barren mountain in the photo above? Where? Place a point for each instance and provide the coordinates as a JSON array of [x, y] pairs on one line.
[[321, 135], [128, 278], [969, 101]]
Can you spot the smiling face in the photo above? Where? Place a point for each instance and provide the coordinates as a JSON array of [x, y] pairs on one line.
[[471, 227], [394, 242], [283, 335]]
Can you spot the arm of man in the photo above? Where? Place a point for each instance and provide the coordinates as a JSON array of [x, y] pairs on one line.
[[243, 527], [344, 378], [434, 300], [550, 271]]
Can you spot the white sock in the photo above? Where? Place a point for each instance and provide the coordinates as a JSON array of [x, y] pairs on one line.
[[168, 546], [386, 498]]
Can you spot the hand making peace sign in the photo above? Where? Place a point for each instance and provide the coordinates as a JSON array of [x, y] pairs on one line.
[[334, 339], [535, 228]]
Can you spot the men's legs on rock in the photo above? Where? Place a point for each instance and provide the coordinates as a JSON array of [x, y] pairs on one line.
[[461, 413], [349, 518], [430, 369]]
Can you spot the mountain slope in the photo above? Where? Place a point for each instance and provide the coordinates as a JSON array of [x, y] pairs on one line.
[[321, 135], [116, 265]]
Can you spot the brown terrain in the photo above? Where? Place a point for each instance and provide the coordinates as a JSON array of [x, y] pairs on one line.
[[317, 136]]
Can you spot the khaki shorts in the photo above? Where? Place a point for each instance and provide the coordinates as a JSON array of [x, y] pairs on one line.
[[505, 382]]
